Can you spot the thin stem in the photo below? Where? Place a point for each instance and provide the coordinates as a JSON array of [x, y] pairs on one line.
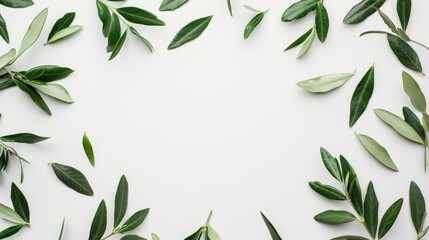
[[106, 237], [208, 218], [421, 44]]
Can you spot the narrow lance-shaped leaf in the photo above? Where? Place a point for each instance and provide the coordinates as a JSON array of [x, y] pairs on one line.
[[10, 215], [105, 17], [16, 3], [10, 231], [389, 218], [322, 22], [414, 122], [51, 89], [190, 32], [170, 5], [20, 203], [377, 151], [405, 53], [64, 33], [62, 23], [118, 45], [254, 22], [134, 221], [362, 10], [72, 178], [3, 29], [327, 191], [300, 40], [335, 217], [417, 206], [325, 83], [144, 40], [361, 96], [49, 73], [23, 138], [132, 237], [299, 10], [371, 210], [114, 32], [389, 23], [196, 235], [155, 237], [87, 147], [403, 8], [140, 16], [350, 237], [273, 232], [99, 223], [307, 45], [211, 233], [7, 58], [121, 201], [228, 2], [34, 95], [414, 92], [331, 164]]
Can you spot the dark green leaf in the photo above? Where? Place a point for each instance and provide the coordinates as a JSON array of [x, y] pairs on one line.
[[361, 96], [23, 138], [3, 29], [190, 32], [196, 235], [89, 151], [331, 164], [349, 237], [140, 16], [114, 32], [346, 167], [228, 2], [99, 223], [355, 193], [371, 210], [121, 201], [16, 3], [403, 7], [327, 191], [20, 203], [335, 217], [144, 40], [414, 122], [118, 45], [72, 178], [299, 10], [254, 22], [50, 73], [414, 92], [132, 237], [389, 218], [405, 53], [417, 206], [62, 23], [6, 82], [300, 40], [134, 221], [362, 10], [273, 232], [10, 231], [170, 5], [34, 95], [105, 17], [62, 230], [322, 22]]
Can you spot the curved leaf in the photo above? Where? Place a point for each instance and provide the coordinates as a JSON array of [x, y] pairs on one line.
[[114, 33], [51, 89], [414, 122], [414, 92], [325, 83], [63, 33], [307, 44], [34, 95], [361, 96], [16, 3], [3, 29], [389, 218], [300, 40], [331, 164], [134, 221], [273, 232], [99, 223], [72, 178], [362, 10], [417, 206], [118, 45], [254, 22], [140, 16], [299, 10], [377, 151], [10, 231], [327, 191], [50, 73], [105, 17], [121, 201], [87, 147], [190, 32], [7, 58], [20, 203], [62, 23], [322, 22], [405, 53], [10, 215], [170, 5]]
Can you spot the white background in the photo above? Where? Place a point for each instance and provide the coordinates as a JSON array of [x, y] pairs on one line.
[[217, 124]]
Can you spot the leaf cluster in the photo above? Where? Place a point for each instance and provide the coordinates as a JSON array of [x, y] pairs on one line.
[[19, 215]]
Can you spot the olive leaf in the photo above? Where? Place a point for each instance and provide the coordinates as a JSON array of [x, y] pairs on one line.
[[140, 16], [205, 231], [16, 3], [414, 92], [403, 8], [300, 40], [62, 229], [327, 191], [170, 5], [3, 29], [325, 83], [307, 44], [418, 210], [361, 96], [362, 10], [335, 217], [405, 53], [414, 122], [389, 218], [6, 58], [62, 28], [118, 46], [155, 237], [89, 151], [273, 232], [228, 3], [377, 151], [10, 231], [190, 32], [23, 138], [253, 23], [104, 15], [99, 222], [72, 178], [20, 215], [371, 210], [322, 22], [114, 33], [299, 10], [121, 201], [20, 203], [66, 32]]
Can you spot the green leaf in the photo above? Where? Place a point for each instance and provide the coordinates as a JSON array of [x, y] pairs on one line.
[[140, 16], [62, 23], [33, 32], [273, 232], [3, 29], [299, 10], [417, 206], [322, 22], [7, 58], [299, 40], [132, 237], [389, 218], [34, 95], [362, 10], [212, 234], [228, 2], [387, 21], [155, 237], [87, 147], [121, 201], [63, 33], [361, 96], [20, 203], [425, 121], [62, 230], [405, 53], [403, 8], [10, 215], [196, 235], [16, 3], [377, 151], [327, 191], [144, 40], [114, 32], [335, 217], [190, 32], [134, 221], [118, 45], [325, 83], [371, 210], [254, 22], [399, 125], [105, 17], [355, 193], [51, 89], [170, 5], [99, 223], [50, 73], [10, 231], [72, 178], [331, 164], [350, 237], [414, 122], [402, 34], [414, 92], [307, 44]]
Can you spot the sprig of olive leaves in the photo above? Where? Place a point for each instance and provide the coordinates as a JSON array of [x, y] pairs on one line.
[[273, 232], [62, 28], [366, 210], [254, 22], [38, 79], [321, 26], [12, 4], [112, 19], [205, 232], [19, 215]]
